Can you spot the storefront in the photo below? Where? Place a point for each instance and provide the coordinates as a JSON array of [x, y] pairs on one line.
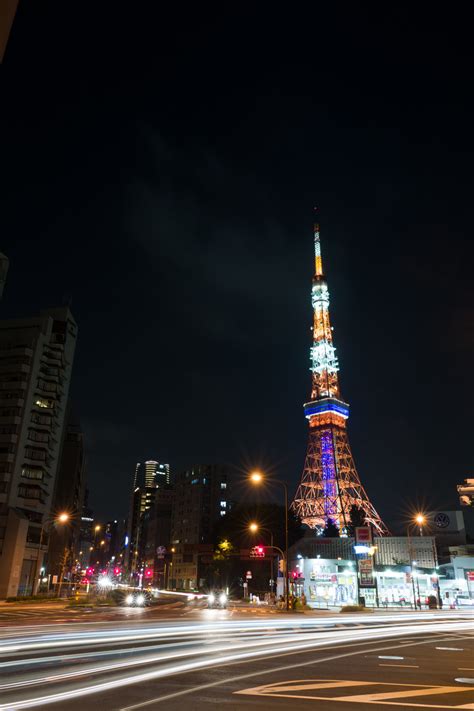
[[334, 583], [403, 587], [325, 583]]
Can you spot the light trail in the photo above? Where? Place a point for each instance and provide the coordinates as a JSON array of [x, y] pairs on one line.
[[142, 633], [206, 656]]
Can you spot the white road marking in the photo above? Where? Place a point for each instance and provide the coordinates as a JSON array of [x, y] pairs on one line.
[[411, 666], [381, 656], [286, 690], [450, 649], [213, 684]]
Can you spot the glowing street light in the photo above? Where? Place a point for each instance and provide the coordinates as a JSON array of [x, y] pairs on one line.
[[420, 520], [59, 519], [253, 527], [257, 477]]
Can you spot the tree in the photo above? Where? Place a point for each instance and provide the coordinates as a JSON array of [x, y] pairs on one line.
[[356, 519], [330, 530]]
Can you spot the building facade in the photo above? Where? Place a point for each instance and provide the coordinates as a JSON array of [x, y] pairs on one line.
[[330, 573], [202, 498], [69, 493], [36, 357]]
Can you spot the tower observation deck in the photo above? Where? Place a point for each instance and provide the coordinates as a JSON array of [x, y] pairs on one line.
[[330, 484]]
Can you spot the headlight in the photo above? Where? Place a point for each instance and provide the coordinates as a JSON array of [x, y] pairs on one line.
[[222, 598], [140, 599], [211, 598], [129, 600]]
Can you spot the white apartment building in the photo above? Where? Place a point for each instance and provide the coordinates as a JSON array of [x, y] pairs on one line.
[[36, 357]]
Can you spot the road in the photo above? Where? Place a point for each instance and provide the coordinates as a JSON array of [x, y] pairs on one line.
[[238, 659]]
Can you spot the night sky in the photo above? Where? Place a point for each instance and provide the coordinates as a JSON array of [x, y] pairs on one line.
[[160, 170]]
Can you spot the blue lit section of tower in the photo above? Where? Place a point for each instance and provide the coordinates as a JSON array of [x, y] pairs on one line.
[[330, 491]]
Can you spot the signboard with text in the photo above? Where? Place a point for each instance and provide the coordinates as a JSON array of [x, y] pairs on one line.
[[366, 570], [363, 534]]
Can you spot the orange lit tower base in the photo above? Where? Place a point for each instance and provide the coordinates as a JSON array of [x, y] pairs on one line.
[[330, 485]]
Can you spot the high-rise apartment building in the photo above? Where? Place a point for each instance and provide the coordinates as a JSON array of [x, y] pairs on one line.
[[36, 358], [202, 498]]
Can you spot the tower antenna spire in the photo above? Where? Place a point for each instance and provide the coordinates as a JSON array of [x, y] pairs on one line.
[[318, 262]]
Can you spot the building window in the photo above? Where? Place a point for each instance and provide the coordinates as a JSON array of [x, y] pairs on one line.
[[223, 485], [35, 453], [32, 473], [43, 402], [29, 492], [223, 513], [223, 504]]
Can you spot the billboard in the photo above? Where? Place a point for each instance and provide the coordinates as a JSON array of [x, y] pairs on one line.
[[366, 572]]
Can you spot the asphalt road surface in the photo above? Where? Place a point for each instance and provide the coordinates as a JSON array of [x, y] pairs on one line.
[[212, 659]]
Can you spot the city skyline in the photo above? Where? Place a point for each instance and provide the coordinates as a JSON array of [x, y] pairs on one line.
[[187, 273]]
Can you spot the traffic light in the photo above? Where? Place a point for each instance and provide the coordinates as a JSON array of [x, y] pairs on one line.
[[148, 573], [257, 552], [281, 565]]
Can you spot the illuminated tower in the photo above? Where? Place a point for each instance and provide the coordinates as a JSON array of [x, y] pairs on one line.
[[330, 485]]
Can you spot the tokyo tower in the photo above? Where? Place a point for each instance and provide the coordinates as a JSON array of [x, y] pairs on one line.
[[329, 485]]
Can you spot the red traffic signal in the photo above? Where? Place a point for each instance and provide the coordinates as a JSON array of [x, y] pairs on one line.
[[117, 571], [148, 573]]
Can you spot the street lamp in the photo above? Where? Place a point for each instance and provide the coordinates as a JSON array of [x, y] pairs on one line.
[[61, 518], [419, 520], [257, 478]]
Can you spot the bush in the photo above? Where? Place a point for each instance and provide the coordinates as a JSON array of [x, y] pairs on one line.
[[354, 608], [34, 598]]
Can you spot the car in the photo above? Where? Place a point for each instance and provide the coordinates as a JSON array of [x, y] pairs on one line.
[[136, 599], [217, 598], [465, 600]]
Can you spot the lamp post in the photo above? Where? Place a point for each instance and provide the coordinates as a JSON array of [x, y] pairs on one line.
[[258, 478], [46, 524], [254, 527], [419, 520]]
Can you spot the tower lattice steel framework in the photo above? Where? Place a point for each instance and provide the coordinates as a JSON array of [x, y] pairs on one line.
[[330, 485]]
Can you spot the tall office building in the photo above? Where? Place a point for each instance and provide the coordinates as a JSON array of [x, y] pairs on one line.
[[36, 358], [149, 477], [202, 498], [151, 472]]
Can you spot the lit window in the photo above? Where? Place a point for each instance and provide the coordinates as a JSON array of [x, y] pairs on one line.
[[223, 513], [223, 504], [223, 485], [43, 403]]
